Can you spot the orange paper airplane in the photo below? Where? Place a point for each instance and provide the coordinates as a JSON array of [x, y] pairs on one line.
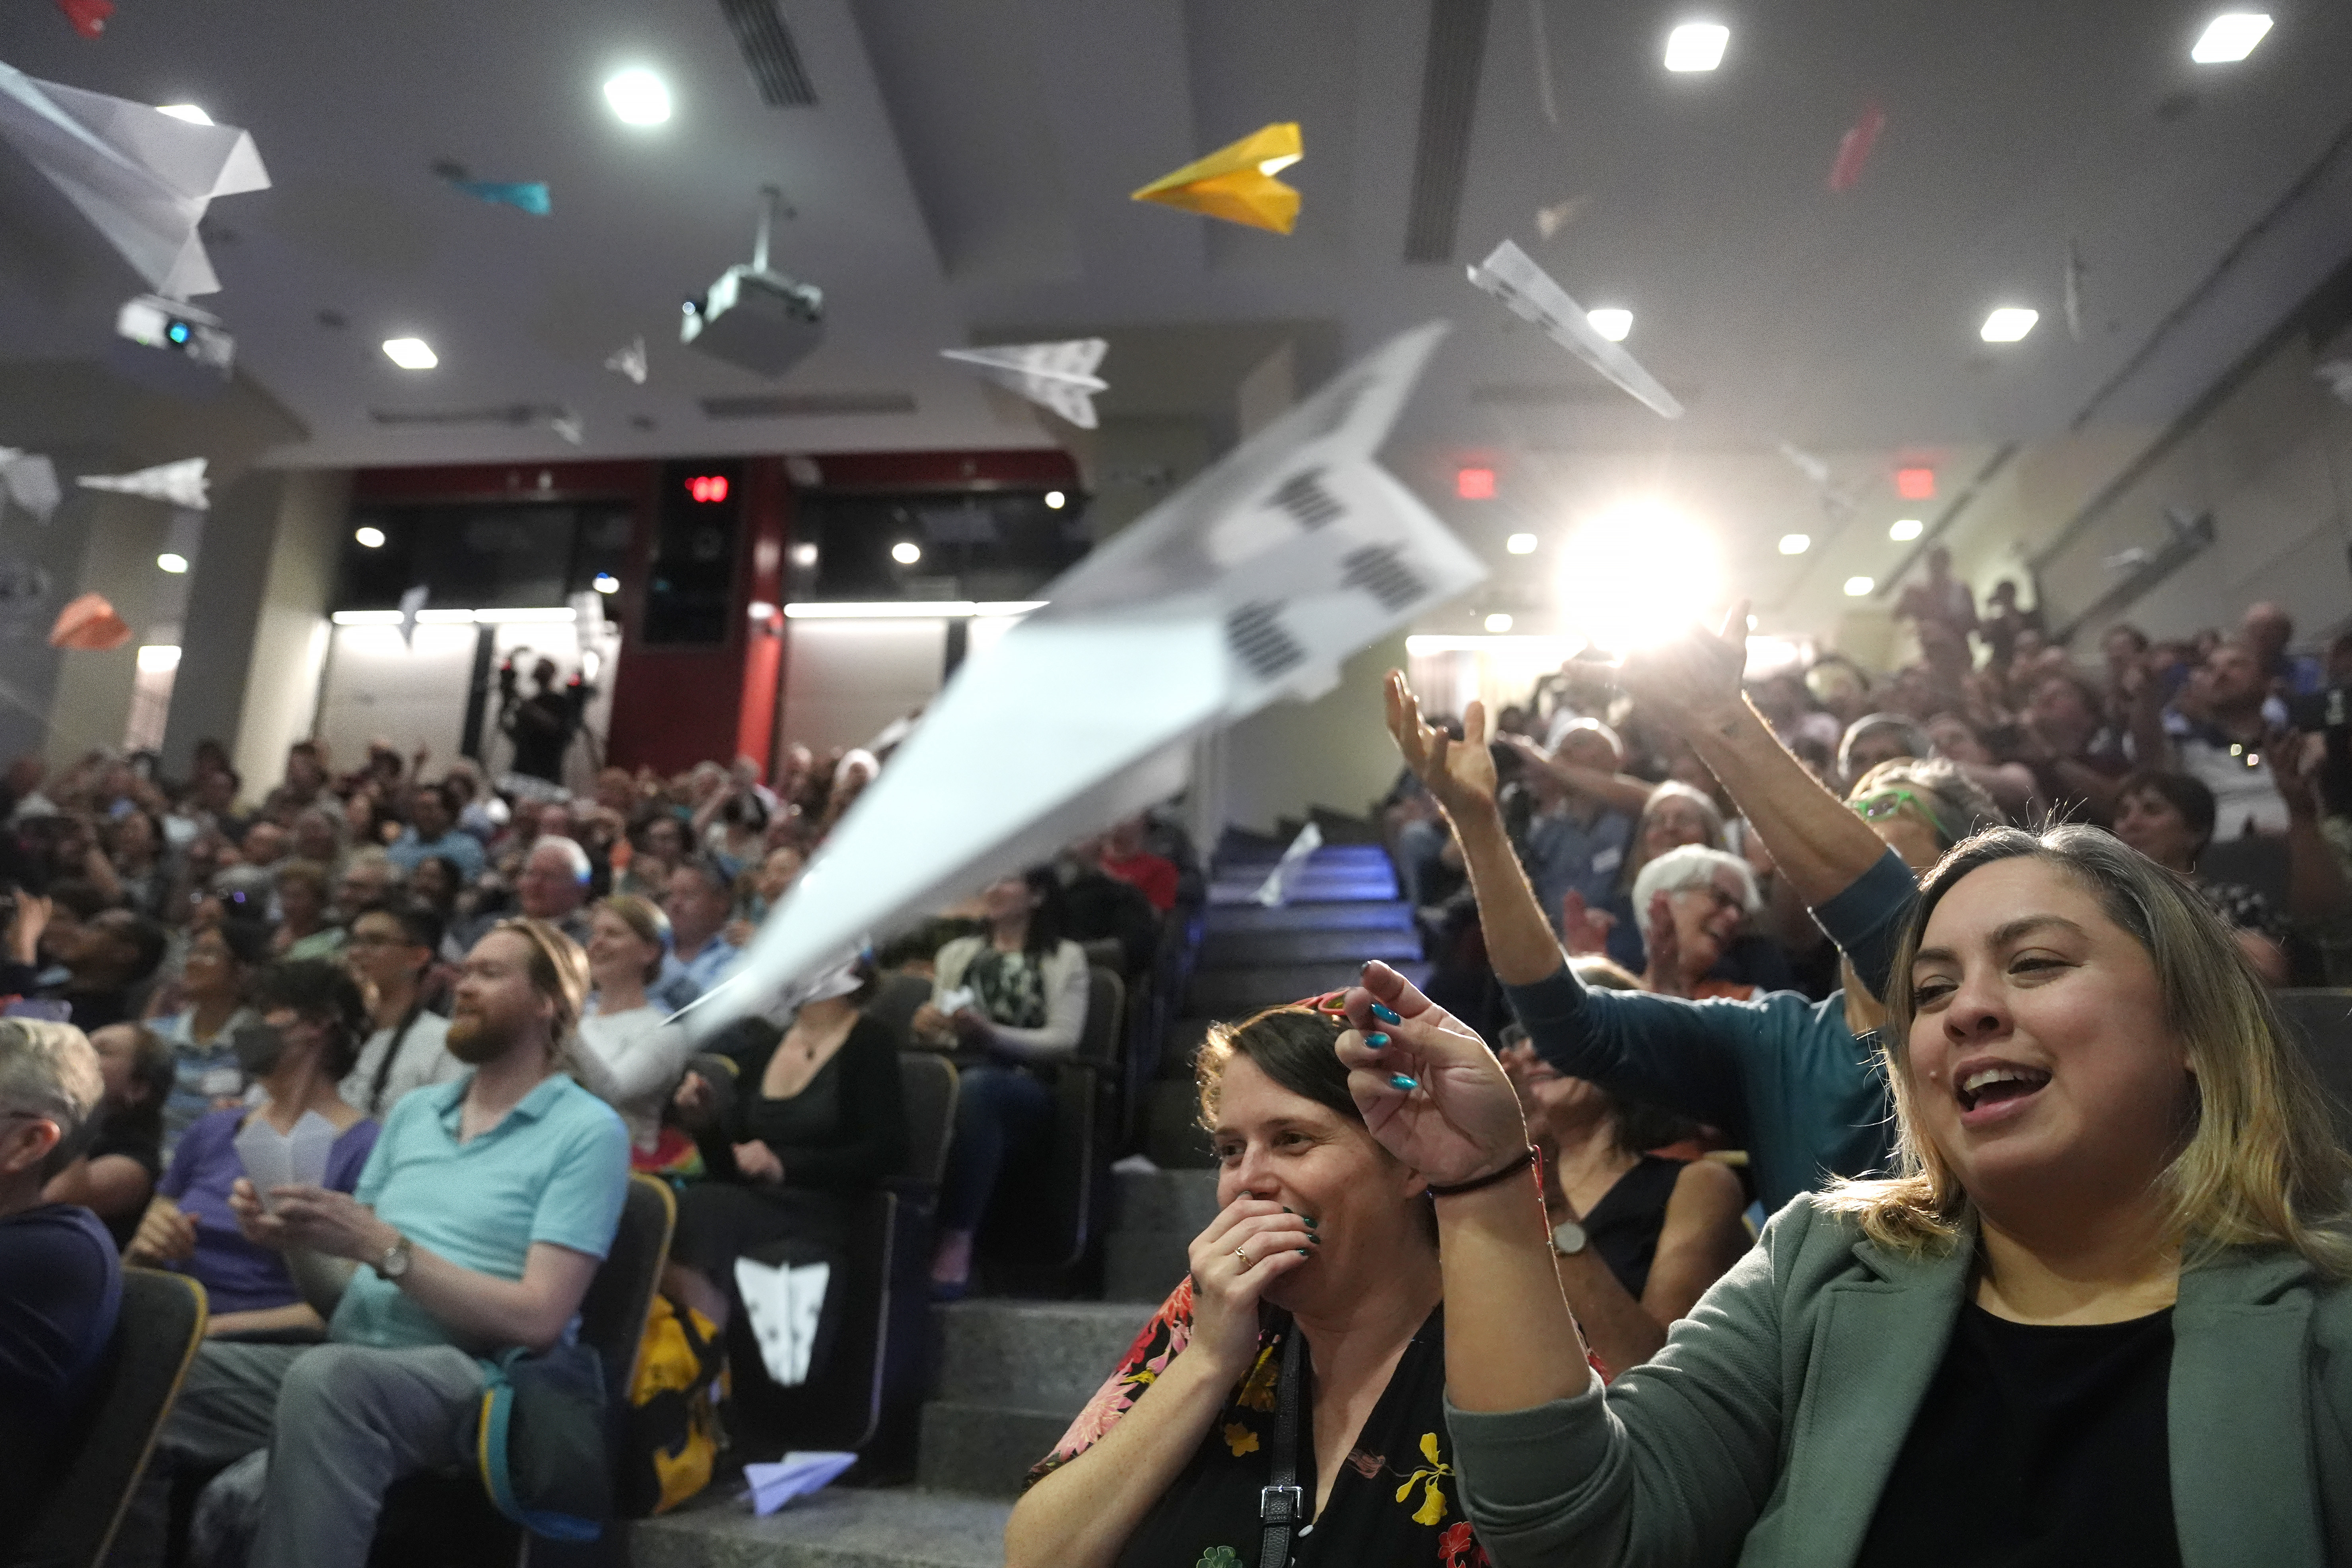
[[1236, 183], [89, 623]]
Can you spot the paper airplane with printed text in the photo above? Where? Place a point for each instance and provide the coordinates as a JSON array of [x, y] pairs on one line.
[[30, 480], [142, 177], [1060, 376], [1251, 584], [1510, 275], [1237, 183], [180, 484]]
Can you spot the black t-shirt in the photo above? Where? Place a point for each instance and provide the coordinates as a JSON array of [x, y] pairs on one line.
[[60, 1287], [1624, 1226], [136, 1134], [2036, 1448]]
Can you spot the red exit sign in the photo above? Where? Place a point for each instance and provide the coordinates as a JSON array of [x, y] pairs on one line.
[[707, 487]]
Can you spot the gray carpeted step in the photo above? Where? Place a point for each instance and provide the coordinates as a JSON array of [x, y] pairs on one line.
[[1353, 914], [1243, 949], [1159, 1213], [840, 1527], [1043, 1356], [986, 1450], [1237, 993]]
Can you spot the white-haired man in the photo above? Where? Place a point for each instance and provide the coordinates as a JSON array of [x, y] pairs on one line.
[[477, 1224], [60, 1283], [553, 885]]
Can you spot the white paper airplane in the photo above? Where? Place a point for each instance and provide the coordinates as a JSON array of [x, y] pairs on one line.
[[1510, 276], [30, 480], [567, 425], [181, 483], [1275, 891], [629, 360], [1251, 583], [1060, 376], [410, 601], [142, 177]]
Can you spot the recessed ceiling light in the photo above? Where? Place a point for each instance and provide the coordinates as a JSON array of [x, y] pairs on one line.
[[638, 96], [1856, 587], [1056, 500], [1498, 623], [410, 353], [2009, 324], [1611, 323], [1520, 544], [906, 553], [2232, 35], [605, 583], [805, 553], [1796, 543], [187, 112], [168, 562], [1907, 528], [369, 538], [1696, 46]]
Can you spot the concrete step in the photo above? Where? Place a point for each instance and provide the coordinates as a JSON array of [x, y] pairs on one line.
[[1047, 1357], [986, 1450], [1237, 993], [1310, 885], [840, 1527], [1172, 1126], [1248, 948], [1355, 914], [1347, 856], [1159, 1213]]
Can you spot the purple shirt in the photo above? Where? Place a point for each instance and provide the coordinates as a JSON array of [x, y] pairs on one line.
[[238, 1276]]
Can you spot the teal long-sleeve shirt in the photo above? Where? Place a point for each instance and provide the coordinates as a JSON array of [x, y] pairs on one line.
[[1781, 1075]]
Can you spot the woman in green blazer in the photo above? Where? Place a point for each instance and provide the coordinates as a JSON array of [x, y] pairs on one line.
[[2100, 1315]]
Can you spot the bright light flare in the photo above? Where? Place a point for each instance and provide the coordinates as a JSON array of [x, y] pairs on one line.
[[1637, 574], [1520, 544], [605, 583], [1611, 323], [2229, 38], [368, 538], [1905, 529], [1697, 46], [411, 353], [906, 553], [1056, 500], [2009, 324], [187, 112], [168, 562], [1796, 543], [1856, 587], [1498, 623], [638, 96]]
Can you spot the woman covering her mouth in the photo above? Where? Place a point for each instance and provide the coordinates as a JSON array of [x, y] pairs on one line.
[[2099, 1314]]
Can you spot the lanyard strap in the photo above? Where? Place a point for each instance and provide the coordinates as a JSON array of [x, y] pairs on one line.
[[391, 1055], [1282, 1505]]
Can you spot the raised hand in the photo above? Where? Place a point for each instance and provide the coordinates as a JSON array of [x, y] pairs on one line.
[[1431, 1091], [1663, 948], [2295, 758], [1458, 774], [1252, 1243], [1690, 681]]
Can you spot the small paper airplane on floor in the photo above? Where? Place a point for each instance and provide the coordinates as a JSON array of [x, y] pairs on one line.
[[144, 178], [1059, 376], [797, 1474], [30, 480], [1511, 276], [1250, 584], [181, 483], [1236, 183], [629, 360]]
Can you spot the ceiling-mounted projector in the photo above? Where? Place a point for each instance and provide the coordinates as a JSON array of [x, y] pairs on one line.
[[177, 327], [752, 317]]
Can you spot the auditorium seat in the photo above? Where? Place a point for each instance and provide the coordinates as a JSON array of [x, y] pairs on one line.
[[156, 1336], [2323, 1018]]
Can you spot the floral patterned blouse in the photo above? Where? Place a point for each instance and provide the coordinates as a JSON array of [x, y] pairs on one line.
[[1395, 1500]]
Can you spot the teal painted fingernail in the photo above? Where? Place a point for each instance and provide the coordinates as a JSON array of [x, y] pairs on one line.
[[1312, 1221], [1304, 1253], [1376, 1041], [1386, 1014], [1398, 1080]]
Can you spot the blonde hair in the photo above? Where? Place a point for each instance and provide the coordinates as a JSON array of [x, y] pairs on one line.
[[559, 972], [2262, 1165], [646, 922]]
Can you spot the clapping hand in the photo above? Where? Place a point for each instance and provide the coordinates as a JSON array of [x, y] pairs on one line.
[[1584, 929], [758, 1162], [165, 1235], [1691, 681]]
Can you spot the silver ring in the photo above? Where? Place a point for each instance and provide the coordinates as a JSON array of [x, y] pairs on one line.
[[1244, 1255]]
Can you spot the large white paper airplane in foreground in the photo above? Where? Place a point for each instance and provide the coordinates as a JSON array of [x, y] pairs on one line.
[[1510, 275], [181, 483], [1251, 583], [1060, 376], [142, 177]]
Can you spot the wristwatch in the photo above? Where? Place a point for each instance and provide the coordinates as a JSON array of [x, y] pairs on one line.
[[1568, 1238], [397, 1256]]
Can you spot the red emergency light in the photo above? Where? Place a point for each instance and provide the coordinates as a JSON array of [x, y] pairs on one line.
[[707, 487], [1475, 484], [1916, 484]]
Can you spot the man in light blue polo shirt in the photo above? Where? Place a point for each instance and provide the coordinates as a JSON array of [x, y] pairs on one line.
[[480, 1219]]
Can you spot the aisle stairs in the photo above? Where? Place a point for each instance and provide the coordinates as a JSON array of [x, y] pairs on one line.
[[1011, 1375]]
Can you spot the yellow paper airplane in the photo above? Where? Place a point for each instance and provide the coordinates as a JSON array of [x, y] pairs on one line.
[[1236, 183]]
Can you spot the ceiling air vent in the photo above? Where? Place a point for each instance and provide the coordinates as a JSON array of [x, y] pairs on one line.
[[503, 414], [769, 50], [808, 405], [1449, 103]]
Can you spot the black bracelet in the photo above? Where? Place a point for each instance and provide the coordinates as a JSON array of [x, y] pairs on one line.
[[1524, 1162]]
